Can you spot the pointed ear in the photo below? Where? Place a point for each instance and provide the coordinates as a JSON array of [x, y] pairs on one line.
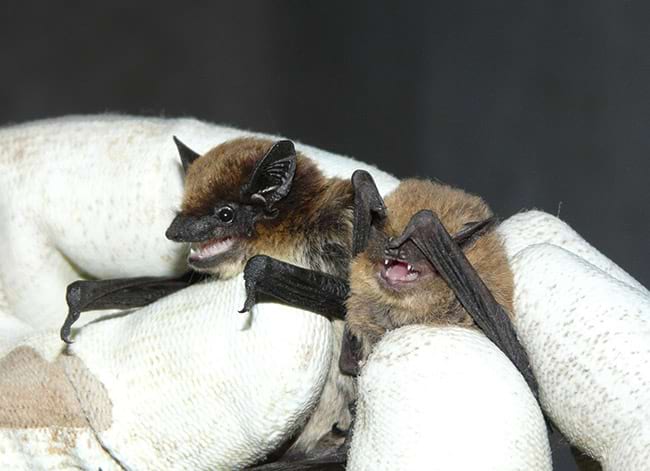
[[273, 175], [473, 230], [187, 155]]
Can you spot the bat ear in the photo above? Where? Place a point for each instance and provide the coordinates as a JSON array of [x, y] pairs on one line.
[[187, 155], [473, 230], [369, 209], [273, 175]]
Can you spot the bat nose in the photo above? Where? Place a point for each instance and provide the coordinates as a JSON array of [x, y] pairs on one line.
[[190, 229]]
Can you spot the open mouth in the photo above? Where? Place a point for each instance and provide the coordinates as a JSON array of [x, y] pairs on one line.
[[202, 252], [395, 272]]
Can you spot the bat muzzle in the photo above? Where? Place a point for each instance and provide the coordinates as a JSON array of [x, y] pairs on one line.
[[195, 229]]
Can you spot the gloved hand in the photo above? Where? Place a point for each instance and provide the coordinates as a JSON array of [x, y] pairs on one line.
[[441, 398], [586, 326], [444, 398], [184, 383]]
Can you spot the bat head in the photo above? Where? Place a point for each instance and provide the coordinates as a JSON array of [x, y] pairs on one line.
[[395, 286], [235, 194]]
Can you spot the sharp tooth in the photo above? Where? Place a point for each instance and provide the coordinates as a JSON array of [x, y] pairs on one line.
[[386, 262], [409, 267]]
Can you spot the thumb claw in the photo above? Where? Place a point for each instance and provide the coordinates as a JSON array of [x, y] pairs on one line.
[[65, 332], [248, 304], [65, 336]]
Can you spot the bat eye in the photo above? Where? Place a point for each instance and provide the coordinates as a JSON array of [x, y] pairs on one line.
[[226, 214]]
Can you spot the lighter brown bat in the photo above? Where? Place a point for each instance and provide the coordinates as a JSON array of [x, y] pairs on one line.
[[387, 292]]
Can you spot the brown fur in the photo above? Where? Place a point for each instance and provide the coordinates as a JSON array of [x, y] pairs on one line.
[[373, 308], [313, 229]]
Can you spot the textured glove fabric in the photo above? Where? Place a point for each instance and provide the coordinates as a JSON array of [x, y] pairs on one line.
[[441, 398], [586, 326], [186, 383]]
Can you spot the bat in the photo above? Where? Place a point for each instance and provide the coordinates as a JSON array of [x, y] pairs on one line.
[[429, 255], [247, 197]]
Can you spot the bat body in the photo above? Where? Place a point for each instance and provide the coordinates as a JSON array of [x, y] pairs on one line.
[[429, 255], [91, 197], [250, 197], [253, 197]]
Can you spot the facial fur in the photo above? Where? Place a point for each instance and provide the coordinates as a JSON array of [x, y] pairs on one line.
[[376, 304]]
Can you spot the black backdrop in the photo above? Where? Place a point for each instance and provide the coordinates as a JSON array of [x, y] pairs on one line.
[[530, 104]]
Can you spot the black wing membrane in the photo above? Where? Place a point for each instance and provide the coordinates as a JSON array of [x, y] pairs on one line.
[[368, 209], [306, 289], [429, 235], [329, 459], [120, 293], [350, 354]]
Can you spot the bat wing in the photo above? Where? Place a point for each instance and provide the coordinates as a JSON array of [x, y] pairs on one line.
[[307, 289], [369, 208], [120, 293], [331, 458], [350, 354], [429, 235]]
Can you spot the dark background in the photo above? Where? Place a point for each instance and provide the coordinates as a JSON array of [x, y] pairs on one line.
[[530, 104]]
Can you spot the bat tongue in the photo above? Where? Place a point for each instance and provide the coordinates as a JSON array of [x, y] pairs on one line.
[[399, 271]]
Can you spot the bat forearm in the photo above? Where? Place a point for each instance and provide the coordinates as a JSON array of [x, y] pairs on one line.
[[120, 293], [299, 287]]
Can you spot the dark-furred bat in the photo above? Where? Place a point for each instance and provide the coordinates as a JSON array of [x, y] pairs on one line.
[[246, 197]]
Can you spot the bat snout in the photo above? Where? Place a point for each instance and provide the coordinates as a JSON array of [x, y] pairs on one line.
[[192, 229]]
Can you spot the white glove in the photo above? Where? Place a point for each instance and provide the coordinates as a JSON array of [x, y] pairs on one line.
[[447, 399], [185, 383]]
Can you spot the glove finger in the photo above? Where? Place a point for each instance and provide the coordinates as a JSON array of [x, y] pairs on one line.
[[587, 334], [445, 398]]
